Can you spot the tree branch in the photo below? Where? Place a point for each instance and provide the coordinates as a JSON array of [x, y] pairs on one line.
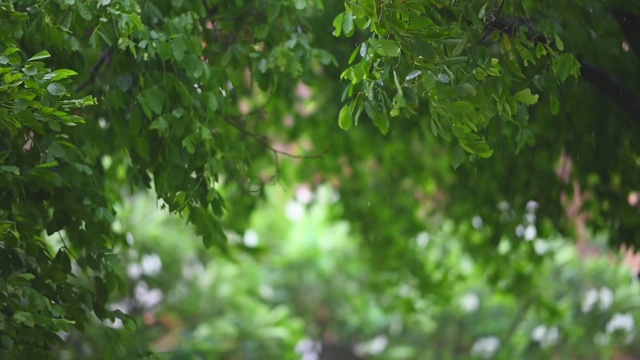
[[95, 69], [624, 97], [630, 25], [265, 142]]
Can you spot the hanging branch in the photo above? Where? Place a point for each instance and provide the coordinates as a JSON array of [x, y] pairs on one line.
[[630, 25], [106, 55], [624, 97], [265, 142]]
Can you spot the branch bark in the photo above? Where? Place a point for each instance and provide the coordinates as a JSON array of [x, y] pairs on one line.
[[95, 69], [630, 25], [624, 97]]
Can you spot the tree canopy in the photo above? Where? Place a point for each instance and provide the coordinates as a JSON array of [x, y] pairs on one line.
[[484, 111]]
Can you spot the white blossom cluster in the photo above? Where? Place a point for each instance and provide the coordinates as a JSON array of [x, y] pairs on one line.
[[485, 347], [602, 296], [545, 336]]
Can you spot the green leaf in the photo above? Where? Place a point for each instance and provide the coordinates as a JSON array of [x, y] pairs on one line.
[[83, 10], [386, 47], [563, 66], [101, 296], [273, 11], [475, 144], [10, 50], [62, 261], [7, 341], [459, 91], [208, 227], [56, 89], [344, 118], [47, 165], [480, 73], [212, 101], [463, 42], [554, 104], [155, 99], [165, 50], [525, 96], [24, 317], [380, 120], [458, 157], [178, 47], [425, 50], [471, 15], [39, 56], [337, 24], [559, 43], [459, 107], [300, 4], [347, 24], [10, 168], [26, 276], [59, 75]]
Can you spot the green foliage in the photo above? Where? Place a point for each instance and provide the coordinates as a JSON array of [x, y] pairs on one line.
[[423, 62], [313, 284], [202, 101], [44, 177], [164, 112]]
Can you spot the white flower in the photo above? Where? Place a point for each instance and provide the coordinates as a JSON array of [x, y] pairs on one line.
[[422, 240], [538, 333], [485, 347], [545, 336], [134, 271], [151, 264], [130, 238], [469, 302], [250, 238], [294, 211], [530, 232], [532, 206], [477, 222], [601, 339], [530, 217], [266, 292], [606, 298], [192, 269], [309, 349], [372, 347], [590, 299], [148, 298], [541, 246], [620, 322], [304, 195]]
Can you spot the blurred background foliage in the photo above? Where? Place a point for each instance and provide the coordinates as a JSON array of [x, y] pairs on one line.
[[313, 290], [135, 132]]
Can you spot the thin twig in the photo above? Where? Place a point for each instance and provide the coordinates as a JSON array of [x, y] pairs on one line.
[[517, 320], [265, 142], [94, 70], [68, 250]]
